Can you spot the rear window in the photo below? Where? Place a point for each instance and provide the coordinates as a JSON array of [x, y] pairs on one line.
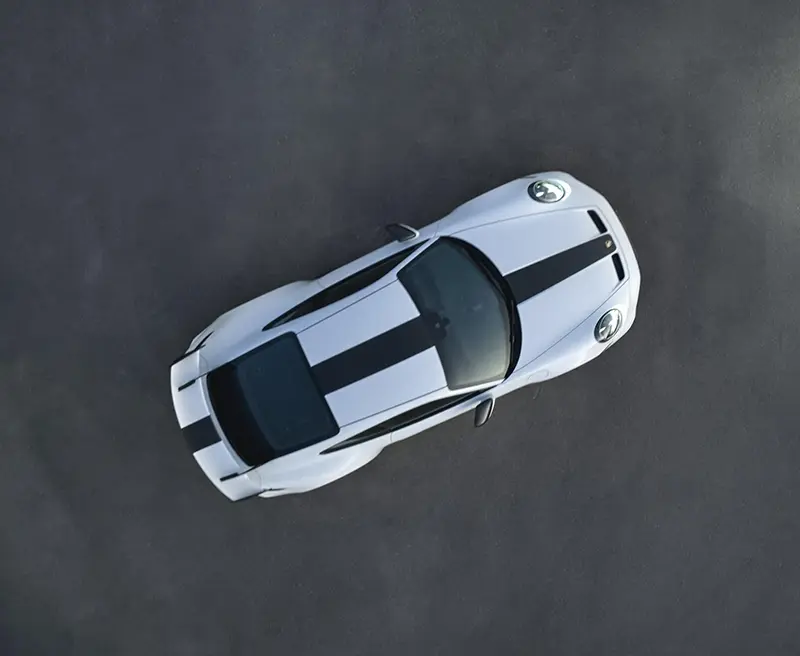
[[268, 403]]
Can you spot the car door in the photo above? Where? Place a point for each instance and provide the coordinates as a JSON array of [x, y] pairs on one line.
[[415, 420], [439, 411]]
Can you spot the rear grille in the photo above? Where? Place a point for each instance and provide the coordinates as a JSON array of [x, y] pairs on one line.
[[598, 222]]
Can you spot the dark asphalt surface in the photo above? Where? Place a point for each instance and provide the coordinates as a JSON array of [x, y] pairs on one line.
[[162, 164]]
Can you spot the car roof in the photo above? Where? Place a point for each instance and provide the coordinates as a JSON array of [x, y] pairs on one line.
[[372, 355]]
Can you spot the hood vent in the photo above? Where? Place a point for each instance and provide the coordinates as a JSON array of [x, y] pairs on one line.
[[618, 266], [598, 222]]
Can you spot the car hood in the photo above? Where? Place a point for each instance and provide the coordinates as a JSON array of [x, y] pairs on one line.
[[555, 309], [517, 242]]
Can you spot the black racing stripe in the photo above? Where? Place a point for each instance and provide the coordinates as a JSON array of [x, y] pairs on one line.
[[376, 354], [535, 278], [201, 434]]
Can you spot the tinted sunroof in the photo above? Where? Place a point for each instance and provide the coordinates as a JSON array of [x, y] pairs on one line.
[[268, 403]]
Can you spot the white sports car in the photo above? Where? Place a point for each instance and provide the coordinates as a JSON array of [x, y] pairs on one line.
[[311, 381]]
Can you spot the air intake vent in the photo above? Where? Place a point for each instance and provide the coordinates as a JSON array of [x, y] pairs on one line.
[[598, 222], [618, 266], [200, 345]]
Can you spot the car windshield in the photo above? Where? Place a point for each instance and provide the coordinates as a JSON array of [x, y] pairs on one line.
[[458, 287], [267, 402]]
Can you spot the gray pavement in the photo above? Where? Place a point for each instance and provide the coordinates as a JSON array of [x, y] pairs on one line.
[[162, 164]]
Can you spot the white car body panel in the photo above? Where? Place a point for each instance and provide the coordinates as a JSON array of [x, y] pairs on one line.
[[509, 201], [389, 390], [361, 263], [562, 307], [515, 243], [557, 325], [296, 472], [481, 392], [372, 315], [245, 321], [189, 402]]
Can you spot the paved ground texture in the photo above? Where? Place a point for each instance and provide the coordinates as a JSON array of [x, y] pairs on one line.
[[163, 162]]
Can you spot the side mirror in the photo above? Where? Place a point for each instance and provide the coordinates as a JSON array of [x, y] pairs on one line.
[[483, 412], [401, 232]]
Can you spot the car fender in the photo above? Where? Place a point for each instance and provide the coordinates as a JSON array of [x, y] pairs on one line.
[[248, 319], [507, 201], [576, 347], [309, 468]]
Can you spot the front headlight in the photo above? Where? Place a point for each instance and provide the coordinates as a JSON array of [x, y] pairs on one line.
[[547, 191], [608, 326]]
